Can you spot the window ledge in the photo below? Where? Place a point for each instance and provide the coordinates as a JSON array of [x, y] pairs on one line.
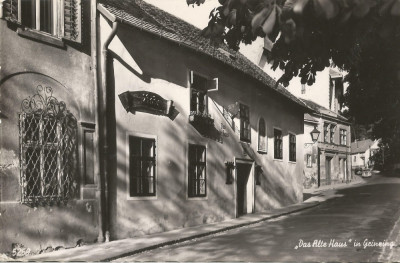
[[262, 151], [293, 162], [141, 198], [197, 198], [278, 160], [40, 36]]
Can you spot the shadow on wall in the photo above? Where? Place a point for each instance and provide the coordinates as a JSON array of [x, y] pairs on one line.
[[172, 209], [35, 227]]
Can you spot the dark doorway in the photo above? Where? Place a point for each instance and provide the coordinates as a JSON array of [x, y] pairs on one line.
[[243, 174], [328, 162]]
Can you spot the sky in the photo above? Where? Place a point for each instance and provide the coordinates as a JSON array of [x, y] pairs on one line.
[[197, 15]]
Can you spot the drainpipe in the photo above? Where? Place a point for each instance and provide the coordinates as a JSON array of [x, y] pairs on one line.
[[104, 128]]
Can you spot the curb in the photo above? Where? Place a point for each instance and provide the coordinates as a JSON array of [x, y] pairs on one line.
[[177, 241]]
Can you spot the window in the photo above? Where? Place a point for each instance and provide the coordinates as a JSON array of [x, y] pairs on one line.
[[343, 137], [47, 150], [292, 147], [332, 133], [262, 136], [198, 99], [60, 18], [277, 144], [355, 158], [309, 160], [326, 132], [197, 171], [142, 164], [244, 123], [38, 14]]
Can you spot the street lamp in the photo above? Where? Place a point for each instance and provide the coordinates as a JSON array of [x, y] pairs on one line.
[[315, 134], [314, 137]]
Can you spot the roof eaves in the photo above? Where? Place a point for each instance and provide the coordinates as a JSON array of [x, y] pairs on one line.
[[114, 14]]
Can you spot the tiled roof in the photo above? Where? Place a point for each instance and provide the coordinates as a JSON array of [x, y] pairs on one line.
[[308, 117], [147, 17], [361, 146], [320, 109]]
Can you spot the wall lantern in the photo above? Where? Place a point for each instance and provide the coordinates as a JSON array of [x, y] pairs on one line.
[[259, 173], [230, 166], [315, 134]]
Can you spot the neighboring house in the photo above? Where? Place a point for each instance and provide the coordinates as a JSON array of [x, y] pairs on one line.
[[142, 128], [362, 151], [328, 160], [48, 179]]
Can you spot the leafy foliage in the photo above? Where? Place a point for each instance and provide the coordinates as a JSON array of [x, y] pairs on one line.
[[361, 37]]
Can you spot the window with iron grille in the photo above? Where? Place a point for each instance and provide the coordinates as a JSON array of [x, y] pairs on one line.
[[262, 136], [292, 147], [197, 182], [142, 166], [343, 137], [59, 18], [47, 133], [244, 123], [278, 144]]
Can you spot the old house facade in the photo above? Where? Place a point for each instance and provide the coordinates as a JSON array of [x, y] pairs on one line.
[[328, 160], [129, 123], [48, 182]]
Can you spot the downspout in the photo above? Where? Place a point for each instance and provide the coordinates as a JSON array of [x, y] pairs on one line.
[[104, 127]]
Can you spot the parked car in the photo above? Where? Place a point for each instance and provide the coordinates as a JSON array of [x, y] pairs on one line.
[[366, 173]]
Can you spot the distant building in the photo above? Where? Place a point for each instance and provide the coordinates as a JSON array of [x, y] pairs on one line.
[[362, 151], [328, 160]]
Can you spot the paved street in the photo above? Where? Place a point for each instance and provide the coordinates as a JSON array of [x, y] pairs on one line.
[[350, 215]]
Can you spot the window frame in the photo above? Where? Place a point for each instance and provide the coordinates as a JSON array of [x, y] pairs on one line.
[[292, 154], [61, 27], [260, 137], [332, 130], [57, 8], [200, 90], [243, 122], [326, 132], [60, 174], [275, 144], [308, 158], [343, 137], [127, 166], [196, 196]]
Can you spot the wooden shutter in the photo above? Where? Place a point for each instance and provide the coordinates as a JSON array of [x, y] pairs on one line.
[[73, 20], [10, 10]]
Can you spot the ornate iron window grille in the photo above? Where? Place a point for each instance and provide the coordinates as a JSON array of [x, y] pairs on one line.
[[47, 137]]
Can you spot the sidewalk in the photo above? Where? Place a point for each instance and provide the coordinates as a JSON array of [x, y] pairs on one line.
[[126, 247], [357, 180]]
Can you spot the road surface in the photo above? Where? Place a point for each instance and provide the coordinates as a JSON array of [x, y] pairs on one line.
[[346, 227]]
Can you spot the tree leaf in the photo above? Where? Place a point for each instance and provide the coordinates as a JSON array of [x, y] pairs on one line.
[[298, 7], [259, 18], [395, 8], [269, 23]]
